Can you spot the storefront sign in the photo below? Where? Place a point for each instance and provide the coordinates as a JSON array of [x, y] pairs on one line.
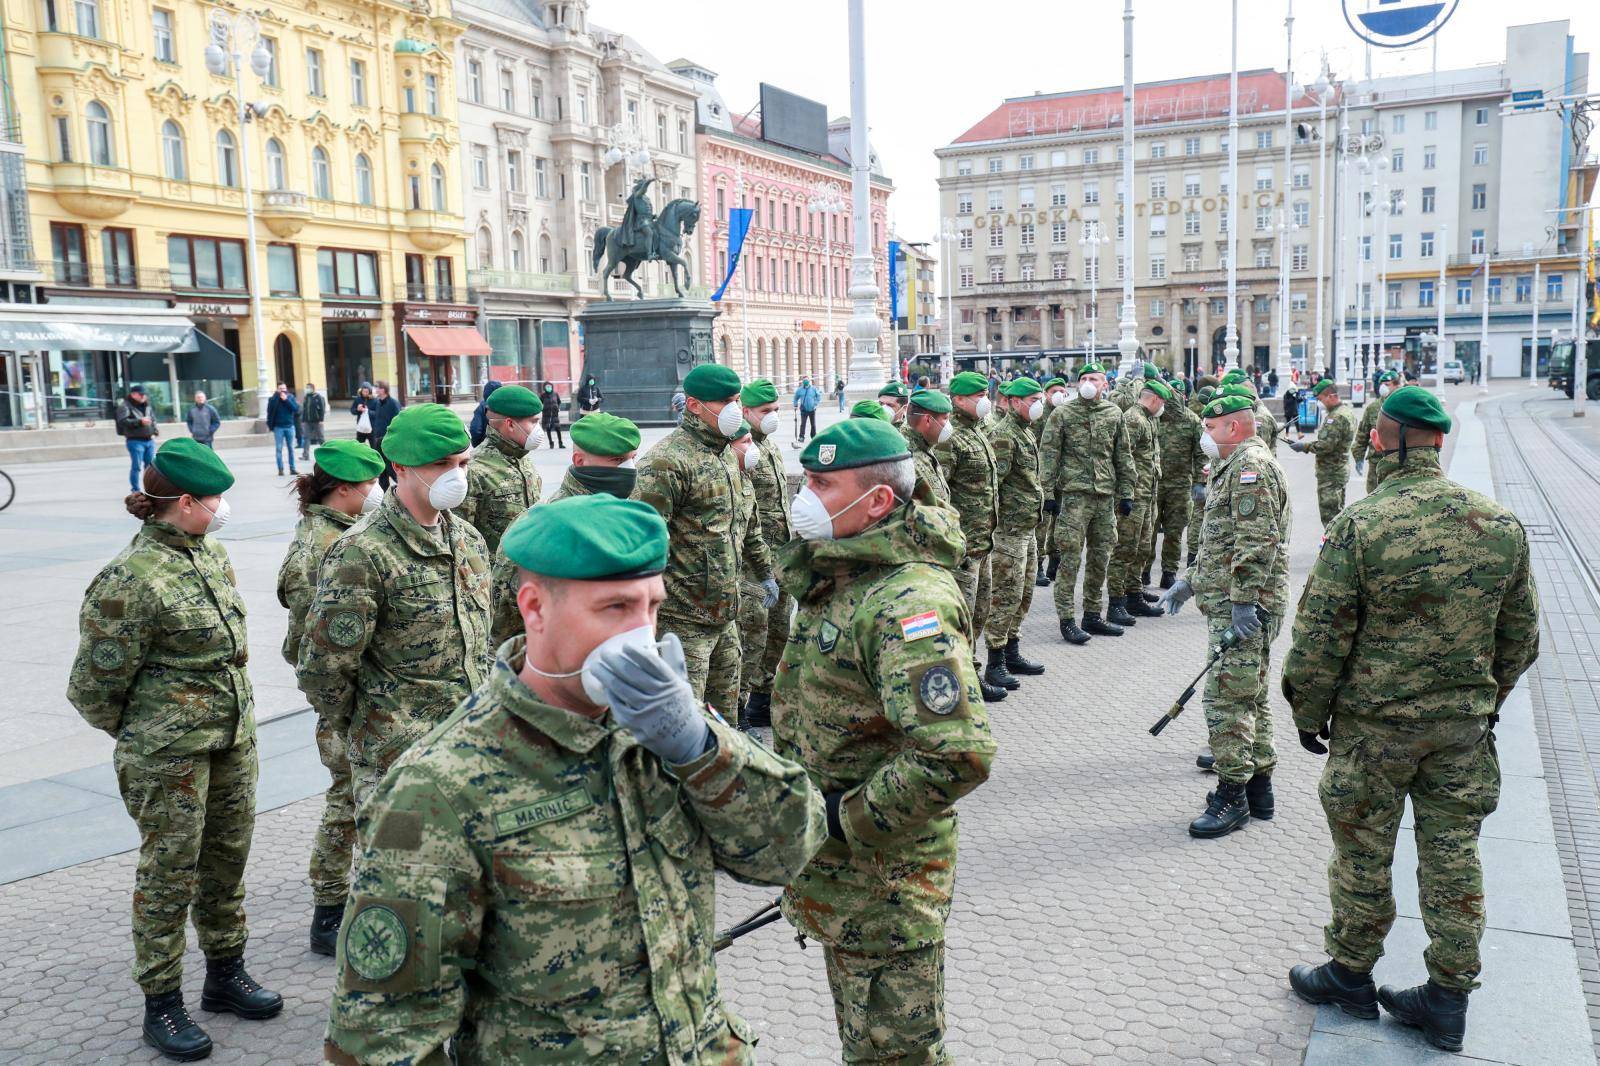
[[372, 313], [215, 310], [439, 313]]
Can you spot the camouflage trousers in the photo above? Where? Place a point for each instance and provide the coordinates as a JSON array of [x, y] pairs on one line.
[[1012, 566], [889, 1008], [1133, 537], [1085, 533], [1238, 716], [1330, 495], [1174, 508], [329, 873], [712, 655], [1045, 535], [975, 579], [778, 619], [752, 636], [195, 813], [1451, 773]]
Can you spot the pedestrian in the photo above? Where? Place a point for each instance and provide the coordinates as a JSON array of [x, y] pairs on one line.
[[759, 402], [1417, 619], [927, 427], [383, 411], [203, 421], [283, 413], [550, 415], [969, 469], [806, 398], [501, 479], [1087, 472], [161, 667], [397, 633], [313, 413], [361, 407], [1272, 381], [1241, 581], [1136, 514], [838, 390], [1331, 446], [341, 487], [1015, 559], [136, 425], [1291, 406], [1361, 448], [1182, 484], [878, 700], [893, 398], [687, 479], [589, 396], [678, 403], [478, 428], [569, 829]]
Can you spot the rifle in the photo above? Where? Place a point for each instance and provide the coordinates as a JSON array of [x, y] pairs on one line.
[[765, 916], [1229, 639]]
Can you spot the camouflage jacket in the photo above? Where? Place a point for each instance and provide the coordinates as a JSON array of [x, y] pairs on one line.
[[687, 478], [1126, 394], [877, 698], [967, 460], [1085, 450], [501, 484], [1141, 432], [162, 647], [772, 493], [398, 632], [1331, 445], [926, 461], [297, 577], [1182, 461], [1266, 427], [746, 514], [1244, 536], [1420, 605], [1016, 464], [1361, 441], [539, 886]]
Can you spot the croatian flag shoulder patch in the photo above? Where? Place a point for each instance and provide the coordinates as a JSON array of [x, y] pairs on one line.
[[921, 625], [1248, 477]]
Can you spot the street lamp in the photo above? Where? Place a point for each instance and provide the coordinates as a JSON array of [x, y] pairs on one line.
[[1230, 344], [1287, 219], [827, 200], [866, 372], [950, 235], [1389, 206], [1091, 243], [231, 34], [1128, 341], [626, 145], [1322, 90]]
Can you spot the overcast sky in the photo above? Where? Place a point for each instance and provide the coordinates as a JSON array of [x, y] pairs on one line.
[[935, 67]]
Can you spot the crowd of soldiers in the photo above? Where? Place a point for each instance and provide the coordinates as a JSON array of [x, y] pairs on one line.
[[521, 704]]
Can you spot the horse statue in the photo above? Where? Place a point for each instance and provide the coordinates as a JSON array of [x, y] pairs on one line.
[[663, 240]]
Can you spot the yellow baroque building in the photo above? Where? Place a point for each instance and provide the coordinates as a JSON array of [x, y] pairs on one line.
[[139, 168]]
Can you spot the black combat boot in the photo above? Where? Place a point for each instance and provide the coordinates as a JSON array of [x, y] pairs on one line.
[[1258, 794], [325, 919], [1054, 568], [758, 710], [1334, 982], [1017, 664], [1226, 810], [1118, 614], [1071, 633], [1189, 559], [991, 693], [1206, 761], [1168, 577], [1441, 1013], [1147, 573], [1042, 580], [1093, 623], [995, 673], [229, 988], [1141, 605], [1147, 596], [169, 1029]]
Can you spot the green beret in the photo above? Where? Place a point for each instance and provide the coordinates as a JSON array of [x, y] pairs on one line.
[[758, 392], [603, 433], [1388, 375], [1323, 386], [514, 401], [1021, 387], [1412, 406], [348, 460], [1206, 393], [1056, 383], [868, 409], [894, 390], [1091, 368], [968, 383], [1159, 387], [1234, 375], [589, 538], [711, 382], [932, 401], [1236, 388], [1227, 404], [425, 433], [1179, 385], [854, 442], [1151, 372], [193, 467]]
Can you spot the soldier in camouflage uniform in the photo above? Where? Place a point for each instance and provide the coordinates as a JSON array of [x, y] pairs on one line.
[[1361, 442], [537, 876], [743, 457], [398, 632], [1266, 424], [688, 479], [1203, 394], [1085, 464], [501, 480], [877, 699], [1136, 525], [1417, 620], [1055, 394], [927, 427], [161, 668], [1182, 484], [1131, 387], [893, 397], [759, 399], [1015, 559], [1242, 582], [1331, 446], [969, 469], [341, 486]]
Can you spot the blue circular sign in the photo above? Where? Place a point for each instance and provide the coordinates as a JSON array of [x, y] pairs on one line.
[[1398, 23]]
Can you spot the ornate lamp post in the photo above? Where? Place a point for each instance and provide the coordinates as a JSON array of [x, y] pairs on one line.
[[1230, 344], [866, 371], [1286, 221], [1091, 243], [1128, 341], [950, 235], [827, 200], [626, 145], [1322, 89]]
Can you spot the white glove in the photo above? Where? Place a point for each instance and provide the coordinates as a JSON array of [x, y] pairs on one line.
[[1173, 599], [651, 697], [769, 599], [1361, 466]]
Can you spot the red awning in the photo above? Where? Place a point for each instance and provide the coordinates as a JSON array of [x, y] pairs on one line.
[[448, 340]]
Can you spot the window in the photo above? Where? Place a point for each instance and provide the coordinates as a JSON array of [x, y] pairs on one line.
[[321, 174], [1480, 154], [963, 167], [508, 90], [314, 82], [1263, 219], [1158, 225], [1122, 268], [1158, 150], [540, 186], [1430, 120], [1300, 257], [283, 270], [1025, 198], [1391, 295], [1302, 176], [1263, 139], [161, 28], [1058, 158], [544, 253], [88, 13], [1263, 255], [1025, 162], [1300, 213], [436, 176], [1158, 307], [480, 166], [1463, 292], [1552, 287], [1058, 233], [996, 200], [363, 180], [1494, 289], [1261, 305], [358, 83], [1058, 270], [1480, 196], [1396, 245], [98, 120], [586, 188], [227, 159], [1191, 259], [965, 242], [1191, 223], [1091, 267], [1524, 288], [514, 169], [683, 136], [1397, 123], [1430, 156], [1397, 160], [1191, 146], [1158, 268], [1480, 116], [1366, 248], [964, 279], [1158, 186], [271, 46], [1091, 156], [1191, 185], [997, 237], [116, 257], [475, 81], [172, 155], [1263, 178], [277, 166], [1219, 305], [1025, 234], [67, 250], [1425, 293], [1222, 219], [430, 92], [1479, 245], [997, 272], [1367, 126], [1091, 192], [444, 288], [1298, 301], [64, 138], [1425, 244], [206, 263], [786, 214], [1058, 196], [964, 203], [1026, 270], [414, 192], [346, 273], [536, 98], [996, 166], [1430, 195]]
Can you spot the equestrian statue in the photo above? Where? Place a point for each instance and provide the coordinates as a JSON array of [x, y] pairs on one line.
[[644, 236]]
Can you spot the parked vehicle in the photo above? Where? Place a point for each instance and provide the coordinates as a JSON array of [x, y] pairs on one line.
[[1561, 367], [1454, 372]]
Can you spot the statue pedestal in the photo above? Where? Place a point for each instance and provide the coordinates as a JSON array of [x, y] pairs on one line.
[[639, 350]]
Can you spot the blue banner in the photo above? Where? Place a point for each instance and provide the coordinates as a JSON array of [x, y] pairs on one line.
[[894, 281], [738, 226]]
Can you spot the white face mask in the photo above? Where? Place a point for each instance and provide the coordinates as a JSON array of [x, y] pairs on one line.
[[946, 431], [531, 441], [1087, 390], [769, 423], [983, 408], [1208, 445], [627, 464], [448, 489], [1058, 398], [728, 420], [810, 516], [642, 637], [1385, 389], [750, 459], [219, 517], [1035, 410], [890, 410], [1157, 412], [372, 500]]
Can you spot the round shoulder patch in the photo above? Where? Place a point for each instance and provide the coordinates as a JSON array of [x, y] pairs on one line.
[[377, 943], [939, 690], [344, 628], [107, 654]]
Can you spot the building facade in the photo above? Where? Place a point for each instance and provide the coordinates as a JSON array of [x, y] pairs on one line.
[[784, 314], [916, 325], [544, 96]]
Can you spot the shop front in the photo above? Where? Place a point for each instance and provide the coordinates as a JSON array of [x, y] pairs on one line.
[[529, 351], [443, 354], [220, 321], [352, 341]]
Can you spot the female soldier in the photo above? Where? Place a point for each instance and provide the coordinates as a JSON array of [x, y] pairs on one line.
[[342, 485], [161, 667], [550, 420]]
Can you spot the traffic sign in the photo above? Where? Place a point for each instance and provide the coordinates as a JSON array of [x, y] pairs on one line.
[[1397, 23]]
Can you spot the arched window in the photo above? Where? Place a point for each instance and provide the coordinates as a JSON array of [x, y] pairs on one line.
[[544, 253], [437, 173], [321, 174], [172, 156], [277, 166], [363, 179], [485, 249], [99, 123], [227, 160], [519, 257]]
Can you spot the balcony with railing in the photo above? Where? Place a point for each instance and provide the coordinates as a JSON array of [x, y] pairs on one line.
[[427, 292], [285, 211], [518, 281], [79, 275]]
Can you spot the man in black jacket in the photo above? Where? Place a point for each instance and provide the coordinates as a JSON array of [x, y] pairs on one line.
[[283, 412], [382, 411], [313, 412], [136, 424]]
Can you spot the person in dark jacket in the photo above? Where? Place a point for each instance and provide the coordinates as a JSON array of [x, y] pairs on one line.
[[136, 425], [384, 408], [313, 412], [283, 410], [479, 429], [362, 404], [550, 419], [202, 420], [589, 396]]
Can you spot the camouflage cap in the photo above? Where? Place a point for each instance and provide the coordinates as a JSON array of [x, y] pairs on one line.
[[968, 383], [932, 401], [854, 442], [868, 409], [597, 537], [711, 382], [1091, 368], [1226, 404], [348, 460], [425, 434], [1023, 386], [1159, 387], [603, 433], [514, 401], [1416, 407], [758, 392], [193, 467]]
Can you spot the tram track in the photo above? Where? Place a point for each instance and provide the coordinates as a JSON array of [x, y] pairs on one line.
[[1558, 525]]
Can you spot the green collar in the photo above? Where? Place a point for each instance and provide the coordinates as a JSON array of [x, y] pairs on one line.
[[1421, 461], [572, 731], [706, 435], [332, 514], [913, 532], [963, 419], [616, 480], [505, 446]]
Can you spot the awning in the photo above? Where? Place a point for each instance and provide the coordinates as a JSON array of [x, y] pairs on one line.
[[199, 359], [448, 340], [34, 329]]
